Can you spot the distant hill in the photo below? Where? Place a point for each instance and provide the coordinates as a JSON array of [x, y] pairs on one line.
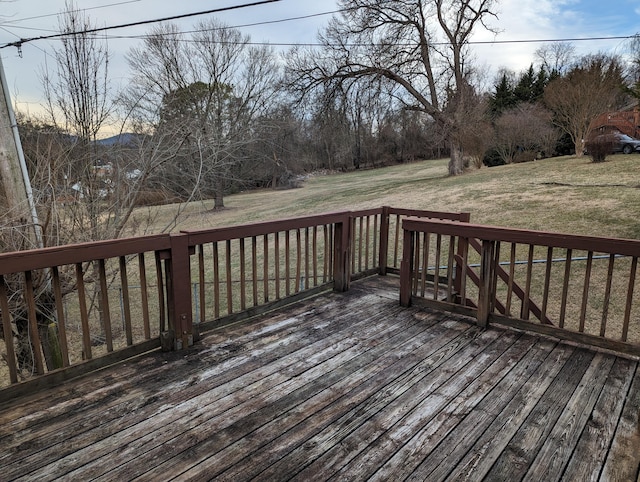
[[124, 139]]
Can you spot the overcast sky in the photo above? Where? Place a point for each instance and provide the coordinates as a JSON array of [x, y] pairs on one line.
[[517, 20]]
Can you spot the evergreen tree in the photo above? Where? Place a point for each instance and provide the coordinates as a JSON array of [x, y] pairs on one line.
[[524, 90], [503, 98]]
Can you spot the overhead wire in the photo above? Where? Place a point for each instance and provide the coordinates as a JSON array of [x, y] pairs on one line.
[[136, 24], [225, 27], [364, 44], [20, 48], [269, 22], [75, 10]]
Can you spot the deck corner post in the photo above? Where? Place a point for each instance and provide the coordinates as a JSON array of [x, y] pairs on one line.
[[341, 258], [406, 267], [485, 294], [384, 240], [181, 314]]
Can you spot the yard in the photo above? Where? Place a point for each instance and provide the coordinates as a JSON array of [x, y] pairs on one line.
[[564, 194]]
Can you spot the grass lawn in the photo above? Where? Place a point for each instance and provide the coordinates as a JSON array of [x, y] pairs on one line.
[[564, 194]]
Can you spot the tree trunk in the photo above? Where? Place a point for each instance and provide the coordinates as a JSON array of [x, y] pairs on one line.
[[456, 164], [219, 194], [579, 146]]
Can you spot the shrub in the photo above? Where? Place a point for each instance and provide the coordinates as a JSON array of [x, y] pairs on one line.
[[598, 150], [493, 158], [525, 156]]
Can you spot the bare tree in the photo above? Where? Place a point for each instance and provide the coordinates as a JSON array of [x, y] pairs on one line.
[[524, 132], [556, 57], [421, 46], [476, 132], [590, 88], [634, 66], [84, 191], [204, 90], [79, 103]]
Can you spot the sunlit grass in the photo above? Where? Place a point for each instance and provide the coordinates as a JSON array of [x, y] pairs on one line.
[[564, 194]]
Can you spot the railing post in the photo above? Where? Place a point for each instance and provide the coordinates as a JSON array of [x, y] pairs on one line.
[[406, 267], [341, 258], [486, 282], [384, 240], [462, 252], [180, 291]]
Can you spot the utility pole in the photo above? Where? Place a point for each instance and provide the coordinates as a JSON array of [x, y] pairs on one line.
[[21, 208]]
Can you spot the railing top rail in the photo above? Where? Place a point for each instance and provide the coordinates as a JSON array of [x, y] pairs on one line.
[[431, 214], [197, 237], [366, 212], [19, 261], [627, 247]]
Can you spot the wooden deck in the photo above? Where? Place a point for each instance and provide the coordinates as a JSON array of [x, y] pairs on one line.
[[344, 387]]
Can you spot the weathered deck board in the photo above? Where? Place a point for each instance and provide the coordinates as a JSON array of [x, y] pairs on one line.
[[403, 447], [591, 450], [344, 387], [236, 373], [410, 410], [209, 435], [536, 429], [622, 458], [134, 394]]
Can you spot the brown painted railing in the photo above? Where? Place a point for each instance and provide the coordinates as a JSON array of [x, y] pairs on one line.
[[574, 287], [59, 306], [392, 233], [71, 309], [247, 269]]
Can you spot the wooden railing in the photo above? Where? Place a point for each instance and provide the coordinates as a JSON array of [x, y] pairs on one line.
[[244, 270], [392, 233], [71, 309], [68, 310], [81, 306], [574, 287]]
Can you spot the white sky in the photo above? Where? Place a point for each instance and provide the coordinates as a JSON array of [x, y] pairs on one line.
[[517, 20]]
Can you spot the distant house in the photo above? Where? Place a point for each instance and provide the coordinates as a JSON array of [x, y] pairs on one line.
[[627, 122], [102, 168]]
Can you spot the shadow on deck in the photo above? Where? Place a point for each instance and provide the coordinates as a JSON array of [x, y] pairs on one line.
[[347, 386]]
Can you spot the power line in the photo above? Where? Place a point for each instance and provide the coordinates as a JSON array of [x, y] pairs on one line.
[[20, 48], [358, 44], [35, 29], [280, 44], [20, 42], [226, 27], [76, 10], [525, 41], [267, 22]]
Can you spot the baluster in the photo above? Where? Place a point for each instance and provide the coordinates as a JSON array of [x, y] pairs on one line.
[[630, 289], [8, 332], [585, 292], [106, 312], [124, 283], [607, 296], [243, 277], [565, 287], [62, 325], [144, 295]]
